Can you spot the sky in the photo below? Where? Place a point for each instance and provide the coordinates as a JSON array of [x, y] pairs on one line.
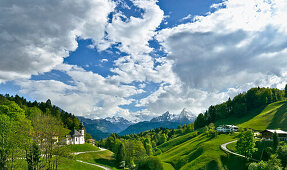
[[140, 58]]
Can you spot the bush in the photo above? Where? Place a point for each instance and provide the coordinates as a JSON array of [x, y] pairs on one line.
[[150, 163]]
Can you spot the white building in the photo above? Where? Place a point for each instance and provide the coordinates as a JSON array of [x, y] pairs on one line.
[[227, 128], [75, 137]]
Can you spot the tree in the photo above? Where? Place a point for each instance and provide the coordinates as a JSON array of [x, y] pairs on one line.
[[120, 154], [199, 121], [245, 144], [14, 131], [282, 154], [163, 139], [148, 147], [275, 143], [285, 91], [150, 163], [274, 162]]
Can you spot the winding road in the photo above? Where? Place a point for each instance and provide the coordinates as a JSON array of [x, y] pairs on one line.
[[223, 147], [100, 166]]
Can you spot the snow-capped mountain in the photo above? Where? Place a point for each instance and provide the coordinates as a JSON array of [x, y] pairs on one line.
[[166, 120], [116, 119], [185, 116], [163, 118]]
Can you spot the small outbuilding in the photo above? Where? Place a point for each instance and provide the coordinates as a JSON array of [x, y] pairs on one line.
[[227, 128]]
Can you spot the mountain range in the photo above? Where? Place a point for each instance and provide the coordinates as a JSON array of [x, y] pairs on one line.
[[102, 128]]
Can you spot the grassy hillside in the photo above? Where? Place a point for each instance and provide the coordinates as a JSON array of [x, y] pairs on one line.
[[272, 116], [201, 152], [176, 141]]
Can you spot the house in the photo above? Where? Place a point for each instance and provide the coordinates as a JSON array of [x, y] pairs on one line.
[[268, 134], [227, 128], [92, 141], [75, 137]]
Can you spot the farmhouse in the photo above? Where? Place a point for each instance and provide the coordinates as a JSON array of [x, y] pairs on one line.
[[75, 137], [227, 128], [268, 134]]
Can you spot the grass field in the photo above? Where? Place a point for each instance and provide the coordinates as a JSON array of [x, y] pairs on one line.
[[272, 116], [178, 140], [232, 147], [65, 164], [82, 147], [104, 158], [167, 166], [70, 164], [201, 152]]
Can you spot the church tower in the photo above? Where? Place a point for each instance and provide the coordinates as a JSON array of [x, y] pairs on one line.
[[82, 129]]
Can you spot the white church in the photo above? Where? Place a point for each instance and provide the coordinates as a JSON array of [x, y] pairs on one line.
[[75, 137]]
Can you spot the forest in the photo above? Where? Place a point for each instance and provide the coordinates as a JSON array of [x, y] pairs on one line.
[[34, 131]]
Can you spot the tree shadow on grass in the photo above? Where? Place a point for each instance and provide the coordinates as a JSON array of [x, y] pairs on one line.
[[234, 162], [110, 163]]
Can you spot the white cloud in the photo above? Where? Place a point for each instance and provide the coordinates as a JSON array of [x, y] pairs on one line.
[[209, 59], [222, 54], [229, 47], [104, 60], [89, 93], [36, 35], [134, 33]]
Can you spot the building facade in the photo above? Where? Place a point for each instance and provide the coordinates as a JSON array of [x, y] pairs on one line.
[[268, 134], [75, 137], [227, 128]]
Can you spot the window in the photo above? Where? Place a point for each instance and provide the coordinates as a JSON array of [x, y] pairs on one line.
[[76, 139]]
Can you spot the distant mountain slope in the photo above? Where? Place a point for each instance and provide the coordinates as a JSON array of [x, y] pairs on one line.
[[166, 120], [102, 128], [147, 125]]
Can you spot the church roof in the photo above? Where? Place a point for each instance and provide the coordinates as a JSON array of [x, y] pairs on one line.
[[75, 133]]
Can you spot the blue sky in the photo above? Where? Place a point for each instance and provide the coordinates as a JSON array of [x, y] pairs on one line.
[[140, 58]]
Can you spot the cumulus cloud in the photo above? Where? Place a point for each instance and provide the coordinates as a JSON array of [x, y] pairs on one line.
[[241, 45], [134, 33], [238, 44], [36, 35], [89, 93]]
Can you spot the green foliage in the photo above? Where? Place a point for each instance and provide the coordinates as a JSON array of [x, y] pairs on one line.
[[150, 163], [275, 142], [245, 144]]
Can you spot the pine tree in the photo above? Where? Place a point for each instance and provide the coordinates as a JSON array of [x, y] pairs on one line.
[[275, 142]]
